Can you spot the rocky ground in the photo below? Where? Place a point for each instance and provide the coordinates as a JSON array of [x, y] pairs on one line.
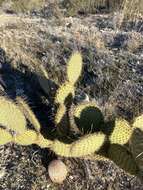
[[112, 76]]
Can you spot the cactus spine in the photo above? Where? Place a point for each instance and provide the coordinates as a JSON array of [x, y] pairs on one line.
[[23, 106], [138, 122], [60, 113]]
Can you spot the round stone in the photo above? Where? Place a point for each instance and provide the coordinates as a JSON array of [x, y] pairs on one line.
[[57, 171]]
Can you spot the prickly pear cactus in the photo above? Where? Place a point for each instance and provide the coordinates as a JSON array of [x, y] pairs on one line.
[[92, 137], [136, 141]]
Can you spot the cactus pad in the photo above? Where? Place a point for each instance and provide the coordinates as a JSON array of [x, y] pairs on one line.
[[11, 116], [60, 114], [138, 122], [5, 137], [82, 147], [27, 138], [74, 68], [63, 92], [121, 132]]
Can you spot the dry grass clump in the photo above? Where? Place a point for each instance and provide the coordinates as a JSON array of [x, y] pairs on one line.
[[22, 5], [90, 36], [18, 38], [88, 6], [132, 9], [134, 42], [91, 6]]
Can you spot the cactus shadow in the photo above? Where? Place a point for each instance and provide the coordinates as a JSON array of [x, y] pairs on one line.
[[38, 91], [108, 127], [90, 120], [23, 82]]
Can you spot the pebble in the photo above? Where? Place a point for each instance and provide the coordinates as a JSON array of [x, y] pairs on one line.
[[57, 171]]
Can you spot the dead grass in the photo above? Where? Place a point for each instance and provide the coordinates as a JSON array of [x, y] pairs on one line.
[[86, 6], [17, 36], [132, 9], [22, 5], [134, 42]]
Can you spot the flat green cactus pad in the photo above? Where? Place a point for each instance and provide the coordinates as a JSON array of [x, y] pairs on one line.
[[138, 122], [74, 68], [121, 132], [5, 137], [11, 116]]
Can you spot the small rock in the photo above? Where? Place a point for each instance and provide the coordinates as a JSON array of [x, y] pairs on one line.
[[2, 173], [57, 171]]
